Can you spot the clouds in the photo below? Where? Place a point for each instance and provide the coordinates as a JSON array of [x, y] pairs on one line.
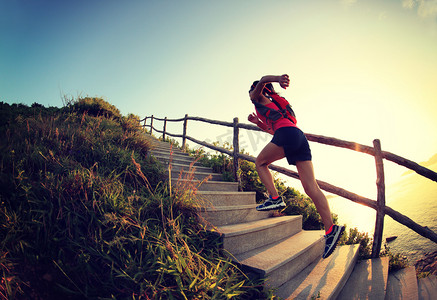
[[425, 8], [348, 2]]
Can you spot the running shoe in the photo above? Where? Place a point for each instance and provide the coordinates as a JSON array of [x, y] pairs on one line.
[[271, 204], [331, 239]]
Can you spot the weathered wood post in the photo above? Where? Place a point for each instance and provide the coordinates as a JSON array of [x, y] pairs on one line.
[[184, 133], [236, 151], [380, 211], [164, 129], [151, 124]]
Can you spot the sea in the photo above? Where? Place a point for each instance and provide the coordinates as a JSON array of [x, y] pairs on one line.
[[414, 196]]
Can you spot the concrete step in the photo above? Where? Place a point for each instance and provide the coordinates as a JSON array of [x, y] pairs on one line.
[[368, 280], [427, 288], [177, 167], [402, 284], [206, 185], [227, 215], [243, 237], [216, 198], [324, 277], [194, 174], [178, 160], [166, 147], [182, 161], [187, 165], [284, 259], [168, 153], [161, 145], [217, 186]]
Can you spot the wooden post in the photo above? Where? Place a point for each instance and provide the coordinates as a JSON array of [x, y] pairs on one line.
[[164, 129], [380, 211], [184, 134], [236, 151], [151, 124]]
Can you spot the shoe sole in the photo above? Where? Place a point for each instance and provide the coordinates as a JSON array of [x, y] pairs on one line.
[[336, 239], [272, 207]]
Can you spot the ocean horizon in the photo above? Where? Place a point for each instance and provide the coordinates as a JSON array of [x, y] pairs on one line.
[[413, 196]]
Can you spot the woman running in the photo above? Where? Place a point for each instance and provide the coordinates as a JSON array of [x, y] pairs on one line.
[[288, 141]]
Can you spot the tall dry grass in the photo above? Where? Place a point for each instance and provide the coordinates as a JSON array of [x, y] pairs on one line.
[[86, 213]]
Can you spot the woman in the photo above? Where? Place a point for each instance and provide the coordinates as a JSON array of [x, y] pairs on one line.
[[290, 142]]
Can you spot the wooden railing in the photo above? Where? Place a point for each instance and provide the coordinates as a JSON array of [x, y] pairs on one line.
[[378, 205]]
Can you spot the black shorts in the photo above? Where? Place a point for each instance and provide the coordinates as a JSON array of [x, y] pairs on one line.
[[294, 142]]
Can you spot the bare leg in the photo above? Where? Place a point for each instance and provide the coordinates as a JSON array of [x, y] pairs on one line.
[[312, 189], [269, 154]]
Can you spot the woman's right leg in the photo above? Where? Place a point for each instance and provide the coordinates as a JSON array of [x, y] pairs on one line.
[[333, 234], [312, 189]]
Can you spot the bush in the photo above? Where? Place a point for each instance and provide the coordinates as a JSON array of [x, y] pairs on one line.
[[95, 107], [356, 237], [397, 261]]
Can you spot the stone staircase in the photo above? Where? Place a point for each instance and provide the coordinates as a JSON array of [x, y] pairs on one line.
[[276, 248]]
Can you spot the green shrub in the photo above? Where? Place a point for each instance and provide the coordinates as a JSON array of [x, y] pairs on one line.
[[250, 181], [356, 237], [95, 107], [397, 261]]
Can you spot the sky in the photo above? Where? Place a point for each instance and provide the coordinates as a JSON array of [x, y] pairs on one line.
[[359, 70]]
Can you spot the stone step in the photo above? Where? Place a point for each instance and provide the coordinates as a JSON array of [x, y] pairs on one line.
[[367, 281], [177, 167], [168, 153], [216, 198], [161, 145], [165, 147], [188, 161], [239, 238], [207, 185], [402, 284], [219, 186], [284, 259], [324, 277], [227, 215], [427, 288], [186, 174]]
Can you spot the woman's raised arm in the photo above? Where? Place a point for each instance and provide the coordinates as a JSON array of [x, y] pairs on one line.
[[256, 93]]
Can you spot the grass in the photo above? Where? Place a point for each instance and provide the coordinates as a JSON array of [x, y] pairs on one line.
[[87, 213]]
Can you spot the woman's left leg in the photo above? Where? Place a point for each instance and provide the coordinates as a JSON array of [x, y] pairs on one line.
[[269, 154], [312, 189]]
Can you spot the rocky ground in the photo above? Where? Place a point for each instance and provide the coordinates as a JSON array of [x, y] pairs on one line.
[[427, 264]]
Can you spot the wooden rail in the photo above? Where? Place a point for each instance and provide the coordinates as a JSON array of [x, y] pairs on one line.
[[378, 205]]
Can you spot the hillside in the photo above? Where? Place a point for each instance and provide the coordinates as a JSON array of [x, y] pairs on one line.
[[86, 213]]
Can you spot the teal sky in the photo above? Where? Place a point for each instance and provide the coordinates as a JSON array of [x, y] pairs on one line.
[[360, 69]]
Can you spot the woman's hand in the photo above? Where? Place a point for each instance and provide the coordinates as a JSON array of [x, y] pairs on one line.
[[253, 118], [284, 81]]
